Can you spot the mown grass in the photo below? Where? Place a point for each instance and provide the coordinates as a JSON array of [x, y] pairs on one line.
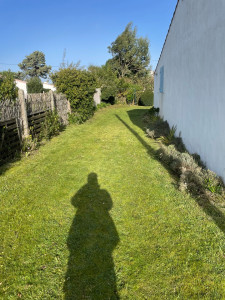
[[94, 215]]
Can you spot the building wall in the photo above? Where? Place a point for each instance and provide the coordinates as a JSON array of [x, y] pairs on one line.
[[22, 85], [49, 86], [194, 79]]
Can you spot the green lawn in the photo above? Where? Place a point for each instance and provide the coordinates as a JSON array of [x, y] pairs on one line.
[[93, 215]]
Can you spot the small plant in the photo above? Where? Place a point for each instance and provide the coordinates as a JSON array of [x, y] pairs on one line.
[[102, 105], [51, 125], [212, 183], [167, 140], [29, 144], [74, 118]]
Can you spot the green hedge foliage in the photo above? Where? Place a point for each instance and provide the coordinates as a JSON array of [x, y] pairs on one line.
[[79, 86], [34, 85], [147, 98], [8, 89]]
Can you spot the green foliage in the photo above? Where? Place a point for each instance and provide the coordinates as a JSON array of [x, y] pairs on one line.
[[34, 85], [79, 86], [34, 65], [8, 89], [51, 125], [133, 92], [168, 139], [124, 77], [30, 143], [146, 98], [107, 80], [193, 176], [130, 54], [102, 105], [213, 182], [16, 75]]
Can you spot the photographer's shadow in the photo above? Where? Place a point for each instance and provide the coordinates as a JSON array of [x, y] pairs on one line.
[[91, 241]]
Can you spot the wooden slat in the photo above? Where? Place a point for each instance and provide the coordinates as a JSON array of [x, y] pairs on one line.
[[13, 126], [36, 115], [11, 133], [7, 122], [11, 147], [37, 121]]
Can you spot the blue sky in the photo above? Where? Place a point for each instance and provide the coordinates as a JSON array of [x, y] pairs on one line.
[[84, 28]]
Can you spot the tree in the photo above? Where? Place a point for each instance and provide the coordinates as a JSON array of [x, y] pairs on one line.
[[8, 89], [79, 86], [130, 54], [106, 80], [34, 85], [34, 65]]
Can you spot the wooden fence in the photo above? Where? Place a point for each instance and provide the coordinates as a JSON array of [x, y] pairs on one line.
[[10, 141], [24, 117]]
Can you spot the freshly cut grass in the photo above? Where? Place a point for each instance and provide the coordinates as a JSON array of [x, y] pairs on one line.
[[93, 215]]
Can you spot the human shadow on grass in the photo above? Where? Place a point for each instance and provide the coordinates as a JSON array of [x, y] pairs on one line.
[[203, 201], [91, 241]]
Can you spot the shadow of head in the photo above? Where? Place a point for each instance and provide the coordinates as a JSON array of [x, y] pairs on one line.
[[91, 197], [92, 180]]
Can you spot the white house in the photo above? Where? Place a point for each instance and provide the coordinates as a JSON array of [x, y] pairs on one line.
[[190, 79], [49, 86], [21, 84]]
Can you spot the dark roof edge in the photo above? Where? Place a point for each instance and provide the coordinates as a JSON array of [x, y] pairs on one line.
[[167, 33]]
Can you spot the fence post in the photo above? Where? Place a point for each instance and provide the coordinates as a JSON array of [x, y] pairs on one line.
[[68, 107], [26, 130], [52, 100]]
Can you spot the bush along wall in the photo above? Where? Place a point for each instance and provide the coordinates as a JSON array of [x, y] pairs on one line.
[[79, 87], [194, 177]]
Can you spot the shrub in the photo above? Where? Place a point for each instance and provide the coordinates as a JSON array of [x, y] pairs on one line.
[[8, 89], [102, 105], [51, 125], [29, 144], [133, 93], [168, 139], [193, 176], [34, 85], [79, 86], [146, 98]]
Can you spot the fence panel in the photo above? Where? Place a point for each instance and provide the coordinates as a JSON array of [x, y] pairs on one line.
[[10, 139]]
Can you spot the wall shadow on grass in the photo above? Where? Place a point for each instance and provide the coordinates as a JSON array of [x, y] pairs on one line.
[[204, 201], [136, 116], [91, 241]]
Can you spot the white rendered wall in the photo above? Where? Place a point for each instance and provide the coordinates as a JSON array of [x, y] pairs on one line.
[[49, 86], [22, 85], [194, 79]]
